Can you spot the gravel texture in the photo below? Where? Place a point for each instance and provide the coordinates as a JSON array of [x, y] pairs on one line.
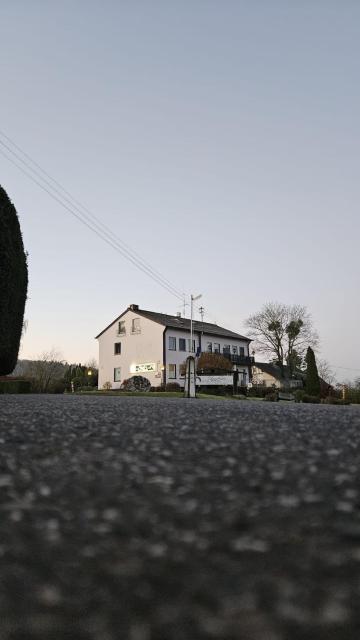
[[174, 519]]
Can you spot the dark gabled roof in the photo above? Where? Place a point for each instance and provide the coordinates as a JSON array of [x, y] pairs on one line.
[[275, 371], [176, 322], [184, 323]]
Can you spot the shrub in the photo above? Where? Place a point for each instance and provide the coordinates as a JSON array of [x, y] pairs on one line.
[[172, 386], [107, 386], [135, 383], [271, 397], [333, 400], [310, 399], [213, 363], [259, 391], [299, 394]]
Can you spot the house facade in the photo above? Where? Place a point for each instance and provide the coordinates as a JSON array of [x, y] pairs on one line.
[[155, 345], [267, 374]]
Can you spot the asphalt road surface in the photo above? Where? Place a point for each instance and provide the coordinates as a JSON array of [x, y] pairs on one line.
[[173, 519]]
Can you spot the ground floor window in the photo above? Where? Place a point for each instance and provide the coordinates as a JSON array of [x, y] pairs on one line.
[[172, 371], [117, 374], [216, 347]]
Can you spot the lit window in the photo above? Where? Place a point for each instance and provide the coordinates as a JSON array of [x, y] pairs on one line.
[[172, 343], [135, 325], [117, 348], [209, 347], [117, 374], [172, 371], [182, 344], [216, 347]]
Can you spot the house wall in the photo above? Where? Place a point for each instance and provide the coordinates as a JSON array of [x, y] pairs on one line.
[[141, 348], [265, 379], [178, 357]]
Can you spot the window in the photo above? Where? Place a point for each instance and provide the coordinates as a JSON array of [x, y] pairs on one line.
[[121, 328], [226, 348], [188, 346], [117, 348], [209, 347], [242, 351], [117, 374], [135, 325], [172, 371], [234, 350], [216, 347], [182, 344], [172, 343]]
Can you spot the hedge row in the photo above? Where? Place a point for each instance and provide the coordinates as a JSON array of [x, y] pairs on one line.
[[15, 386]]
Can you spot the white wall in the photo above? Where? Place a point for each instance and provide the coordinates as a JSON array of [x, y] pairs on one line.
[[140, 348], [178, 357]]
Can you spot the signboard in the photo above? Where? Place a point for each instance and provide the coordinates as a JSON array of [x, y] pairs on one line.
[[212, 380], [146, 367]]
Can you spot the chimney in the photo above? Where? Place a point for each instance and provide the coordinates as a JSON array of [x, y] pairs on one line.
[[134, 307]]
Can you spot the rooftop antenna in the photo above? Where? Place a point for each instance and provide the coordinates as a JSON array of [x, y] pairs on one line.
[[184, 304], [202, 313]]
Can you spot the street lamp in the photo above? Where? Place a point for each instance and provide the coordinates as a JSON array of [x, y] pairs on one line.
[[192, 298]]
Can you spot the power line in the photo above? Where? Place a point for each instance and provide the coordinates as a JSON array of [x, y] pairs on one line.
[[86, 217], [87, 213]]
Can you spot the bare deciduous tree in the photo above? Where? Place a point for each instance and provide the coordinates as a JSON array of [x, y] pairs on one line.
[[326, 372], [46, 370], [283, 333]]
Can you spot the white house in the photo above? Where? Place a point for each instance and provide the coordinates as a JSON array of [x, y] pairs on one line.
[[155, 345]]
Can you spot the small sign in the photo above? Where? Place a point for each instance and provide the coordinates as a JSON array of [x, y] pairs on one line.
[[143, 368]]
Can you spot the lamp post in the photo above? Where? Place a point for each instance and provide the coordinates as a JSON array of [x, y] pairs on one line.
[[192, 298]]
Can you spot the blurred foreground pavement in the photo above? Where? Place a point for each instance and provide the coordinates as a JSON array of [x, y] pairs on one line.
[[172, 519]]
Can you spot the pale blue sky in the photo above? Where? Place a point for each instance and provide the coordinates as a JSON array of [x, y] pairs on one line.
[[218, 139]]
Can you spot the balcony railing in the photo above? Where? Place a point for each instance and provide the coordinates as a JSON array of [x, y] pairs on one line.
[[245, 361]]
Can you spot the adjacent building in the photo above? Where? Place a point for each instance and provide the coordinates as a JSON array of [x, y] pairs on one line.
[[156, 345], [268, 374]]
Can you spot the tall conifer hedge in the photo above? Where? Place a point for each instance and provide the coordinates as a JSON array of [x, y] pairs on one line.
[[312, 384], [13, 284]]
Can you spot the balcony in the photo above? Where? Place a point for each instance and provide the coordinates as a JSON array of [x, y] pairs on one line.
[[244, 361]]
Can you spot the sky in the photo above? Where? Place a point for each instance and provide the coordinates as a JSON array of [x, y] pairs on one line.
[[219, 140]]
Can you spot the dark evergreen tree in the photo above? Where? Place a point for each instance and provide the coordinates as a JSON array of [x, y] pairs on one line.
[[13, 284], [312, 385]]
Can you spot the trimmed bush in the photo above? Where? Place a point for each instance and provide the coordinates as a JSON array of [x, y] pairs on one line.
[[15, 386], [172, 386], [13, 284]]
